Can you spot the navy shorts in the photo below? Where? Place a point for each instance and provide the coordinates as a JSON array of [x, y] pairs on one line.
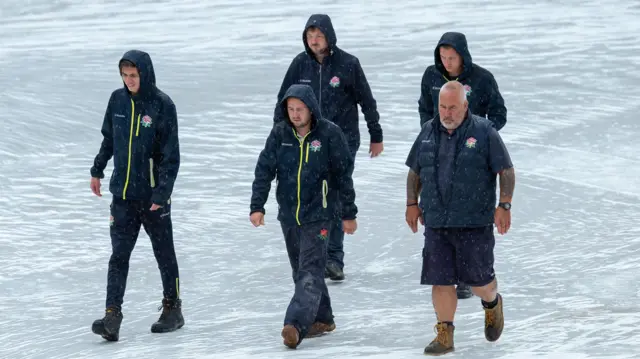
[[452, 255]]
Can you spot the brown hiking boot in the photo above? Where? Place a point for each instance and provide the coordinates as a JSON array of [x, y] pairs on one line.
[[319, 328], [443, 343], [291, 336], [493, 321]]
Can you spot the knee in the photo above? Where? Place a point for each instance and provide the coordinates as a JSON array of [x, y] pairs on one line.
[[486, 289], [120, 256], [309, 279], [444, 289]]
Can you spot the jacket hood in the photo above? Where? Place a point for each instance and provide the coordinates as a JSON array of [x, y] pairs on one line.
[[143, 63], [305, 94], [322, 22], [458, 41]]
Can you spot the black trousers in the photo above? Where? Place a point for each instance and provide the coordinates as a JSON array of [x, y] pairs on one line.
[[307, 250], [126, 218]]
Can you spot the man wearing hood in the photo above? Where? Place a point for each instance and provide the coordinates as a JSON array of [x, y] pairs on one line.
[[140, 131], [453, 62], [339, 85], [310, 159]]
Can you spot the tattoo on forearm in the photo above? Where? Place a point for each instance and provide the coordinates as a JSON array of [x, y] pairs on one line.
[[507, 184], [414, 186]]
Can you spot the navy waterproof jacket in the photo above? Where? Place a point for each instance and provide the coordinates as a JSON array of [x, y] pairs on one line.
[[339, 85], [482, 90], [141, 134], [313, 173]]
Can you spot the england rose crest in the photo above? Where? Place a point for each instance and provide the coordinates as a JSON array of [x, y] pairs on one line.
[[315, 146], [146, 121], [335, 81], [471, 142], [467, 90]]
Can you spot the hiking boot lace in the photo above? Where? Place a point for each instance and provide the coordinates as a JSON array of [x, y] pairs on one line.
[[490, 318], [166, 308], [441, 334]]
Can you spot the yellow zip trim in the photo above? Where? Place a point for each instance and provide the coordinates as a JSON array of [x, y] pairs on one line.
[[445, 77], [138, 129], [299, 171], [153, 180], [307, 158], [126, 182], [325, 190], [178, 287]]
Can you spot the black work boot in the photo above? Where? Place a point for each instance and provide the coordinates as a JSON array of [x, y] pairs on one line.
[[109, 326], [463, 291], [335, 273], [171, 318]]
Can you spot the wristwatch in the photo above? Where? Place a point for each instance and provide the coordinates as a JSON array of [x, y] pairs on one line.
[[505, 205]]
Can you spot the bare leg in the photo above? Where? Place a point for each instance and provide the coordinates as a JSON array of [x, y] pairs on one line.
[[487, 293], [445, 302]]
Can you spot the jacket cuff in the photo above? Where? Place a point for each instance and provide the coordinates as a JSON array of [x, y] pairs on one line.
[[376, 137], [96, 173], [157, 198], [349, 212]]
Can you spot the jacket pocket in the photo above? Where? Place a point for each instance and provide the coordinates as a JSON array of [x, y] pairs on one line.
[[325, 190], [151, 178]]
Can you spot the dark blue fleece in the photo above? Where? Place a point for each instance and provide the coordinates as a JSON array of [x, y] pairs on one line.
[[483, 94], [313, 173], [141, 134], [339, 85]]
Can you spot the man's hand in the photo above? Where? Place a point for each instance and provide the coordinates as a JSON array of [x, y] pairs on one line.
[[95, 186], [502, 218], [413, 214], [349, 226], [257, 219], [375, 149], [155, 207]]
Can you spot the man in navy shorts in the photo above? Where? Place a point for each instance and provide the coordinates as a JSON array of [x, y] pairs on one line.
[[453, 165]]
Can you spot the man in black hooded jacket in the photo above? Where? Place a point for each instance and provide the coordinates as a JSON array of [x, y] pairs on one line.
[[339, 85], [140, 131], [453, 62], [310, 158]]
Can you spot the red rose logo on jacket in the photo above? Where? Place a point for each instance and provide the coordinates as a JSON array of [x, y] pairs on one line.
[[146, 121], [316, 145], [471, 142], [335, 81]]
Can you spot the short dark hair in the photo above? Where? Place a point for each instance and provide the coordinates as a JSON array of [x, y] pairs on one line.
[[126, 63]]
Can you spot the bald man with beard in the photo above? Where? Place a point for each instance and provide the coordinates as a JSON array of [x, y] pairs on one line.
[[453, 166]]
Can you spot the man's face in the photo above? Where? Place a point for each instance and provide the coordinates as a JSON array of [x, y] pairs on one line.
[[451, 60], [299, 113], [131, 78], [452, 107], [317, 41]]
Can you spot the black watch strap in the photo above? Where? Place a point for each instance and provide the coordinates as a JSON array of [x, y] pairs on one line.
[[505, 205]]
